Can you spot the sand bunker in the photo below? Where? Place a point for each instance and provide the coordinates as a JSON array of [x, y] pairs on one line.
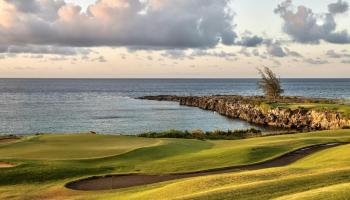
[[6, 165], [8, 138], [129, 180]]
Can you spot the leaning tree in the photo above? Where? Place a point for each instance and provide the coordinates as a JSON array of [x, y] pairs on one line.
[[270, 83]]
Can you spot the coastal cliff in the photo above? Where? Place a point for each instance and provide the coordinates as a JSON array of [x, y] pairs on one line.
[[256, 110]]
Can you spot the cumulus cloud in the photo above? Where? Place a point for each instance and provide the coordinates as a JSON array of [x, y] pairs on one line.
[[165, 24], [307, 27]]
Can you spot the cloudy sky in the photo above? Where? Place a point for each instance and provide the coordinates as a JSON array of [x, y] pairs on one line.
[[174, 38]]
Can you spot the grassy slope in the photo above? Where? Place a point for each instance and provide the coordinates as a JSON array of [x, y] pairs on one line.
[[45, 178]]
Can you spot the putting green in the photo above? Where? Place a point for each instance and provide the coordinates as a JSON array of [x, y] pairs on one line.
[[72, 146]]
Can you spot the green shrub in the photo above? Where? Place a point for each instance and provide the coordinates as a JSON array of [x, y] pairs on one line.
[[201, 135]]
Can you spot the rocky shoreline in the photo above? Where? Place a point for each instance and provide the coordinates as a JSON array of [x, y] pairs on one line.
[[253, 109]]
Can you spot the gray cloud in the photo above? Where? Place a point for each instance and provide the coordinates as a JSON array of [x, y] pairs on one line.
[[180, 54], [24, 68], [250, 41], [101, 59], [338, 7], [27, 6], [334, 54], [306, 27], [220, 54], [276, 50], [149, 58], [37, 49], [58, 58], [256, 52], [39, 56], [292, 53], [245, 52], [164, 24], [341, 37], [175, 54], [317, 61], [276, 62], [345, 61]]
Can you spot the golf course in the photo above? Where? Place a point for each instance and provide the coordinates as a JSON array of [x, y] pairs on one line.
[[174, 100], [41, 166]]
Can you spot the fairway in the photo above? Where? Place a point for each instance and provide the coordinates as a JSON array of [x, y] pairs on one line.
[[41, 175]]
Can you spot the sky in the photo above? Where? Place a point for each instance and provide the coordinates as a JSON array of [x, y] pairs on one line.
[[174, 38]]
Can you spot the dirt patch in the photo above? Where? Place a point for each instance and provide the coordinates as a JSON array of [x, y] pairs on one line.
[[6, 165], [129, 180]]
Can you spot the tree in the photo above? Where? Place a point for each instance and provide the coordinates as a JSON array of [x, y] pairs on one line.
[[269, 83]]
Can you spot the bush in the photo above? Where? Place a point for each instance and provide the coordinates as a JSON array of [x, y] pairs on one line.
[[201, 135], [198, 134], [167, 134]]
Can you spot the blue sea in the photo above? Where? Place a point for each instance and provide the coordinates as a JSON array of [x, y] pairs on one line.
[[30, 106]]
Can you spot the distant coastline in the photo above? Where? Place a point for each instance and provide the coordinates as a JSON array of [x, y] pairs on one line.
[[298, 113]]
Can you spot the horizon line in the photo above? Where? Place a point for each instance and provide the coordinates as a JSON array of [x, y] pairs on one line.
[[169, 78]]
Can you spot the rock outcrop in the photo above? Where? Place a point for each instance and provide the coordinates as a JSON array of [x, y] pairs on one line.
[[252, 109]]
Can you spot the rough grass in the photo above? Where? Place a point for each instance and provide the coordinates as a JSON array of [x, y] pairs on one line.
[[315, 177], [341, 108]]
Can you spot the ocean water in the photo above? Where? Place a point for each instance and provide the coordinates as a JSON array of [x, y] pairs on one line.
[[109, 106]]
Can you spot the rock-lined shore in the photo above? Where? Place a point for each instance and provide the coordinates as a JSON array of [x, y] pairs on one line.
[[254, 110]]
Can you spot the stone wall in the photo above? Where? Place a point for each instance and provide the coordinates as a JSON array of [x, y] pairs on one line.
[[250, 110]]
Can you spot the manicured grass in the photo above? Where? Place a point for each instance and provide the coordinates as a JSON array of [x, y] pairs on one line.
[[314, 177], [72, 146]]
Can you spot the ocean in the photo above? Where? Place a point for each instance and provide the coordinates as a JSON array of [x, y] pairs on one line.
[[109, 106]]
